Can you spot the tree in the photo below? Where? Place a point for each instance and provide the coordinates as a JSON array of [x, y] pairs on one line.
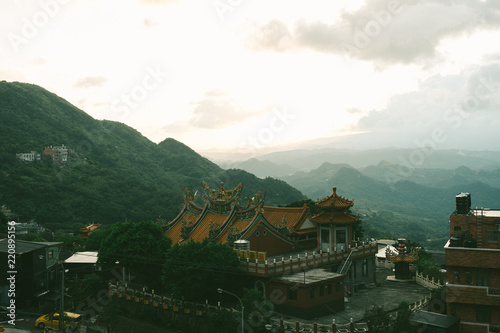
[[3, 223], [139, 247], [380, 321], [402, 323], [196, 269]]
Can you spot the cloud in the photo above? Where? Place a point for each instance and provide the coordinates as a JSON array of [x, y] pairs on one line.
[[382, 31], [90, 82], [149, 23], [464, 107], [273, 36], [38, 61], [158, 2], [217, 110]]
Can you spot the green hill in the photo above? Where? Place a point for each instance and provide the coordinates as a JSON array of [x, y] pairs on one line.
[[113, 172], [402, 209]]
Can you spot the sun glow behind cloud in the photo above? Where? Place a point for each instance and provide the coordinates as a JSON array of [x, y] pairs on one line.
[[214, 79]]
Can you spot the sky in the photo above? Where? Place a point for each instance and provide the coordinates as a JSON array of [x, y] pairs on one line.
[[239, 75]]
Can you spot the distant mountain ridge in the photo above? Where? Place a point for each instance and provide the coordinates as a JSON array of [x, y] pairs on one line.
[[400, 209], [309, 159], [113, 174]]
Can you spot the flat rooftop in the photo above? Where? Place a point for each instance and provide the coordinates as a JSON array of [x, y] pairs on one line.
[[310, 276], [487, 212], [89, 257]]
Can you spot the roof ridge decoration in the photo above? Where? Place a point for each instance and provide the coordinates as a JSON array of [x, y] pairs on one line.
[[221, 194], [187, 227], [214, 230], [281, 227], [401, 255], [234, 234]]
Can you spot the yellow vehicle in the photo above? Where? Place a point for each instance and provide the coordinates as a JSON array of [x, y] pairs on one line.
[[71, 321]]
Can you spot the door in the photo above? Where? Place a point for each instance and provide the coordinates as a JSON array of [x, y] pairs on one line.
[[341, 239], [325, 243]]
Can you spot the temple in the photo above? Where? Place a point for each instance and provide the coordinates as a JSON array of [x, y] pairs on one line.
[[314, 260], [222, 218], [84, 233], [334, 223]]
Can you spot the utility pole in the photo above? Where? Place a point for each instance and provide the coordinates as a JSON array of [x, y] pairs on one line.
[[61, 315]]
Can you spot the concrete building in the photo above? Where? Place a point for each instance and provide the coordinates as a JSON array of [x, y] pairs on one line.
[[473, 267], [57, 153], [29, 157]]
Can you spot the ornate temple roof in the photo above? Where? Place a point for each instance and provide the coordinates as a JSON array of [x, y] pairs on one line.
[[335, 210], [340, 218], [223, 217], [335, 201]]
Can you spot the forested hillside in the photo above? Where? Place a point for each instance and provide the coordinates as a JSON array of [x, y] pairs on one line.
[[113, 172], [392, 210]]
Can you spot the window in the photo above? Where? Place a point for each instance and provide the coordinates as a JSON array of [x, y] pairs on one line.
[[340, 236], [337, 286], [456, 276], [322, 291], [325, 236], [482, 277], [329, 288], [483, 313], [468, 277], [364, 267], [312, 292], [264, 232], [493, 236], [257, 234], [453, 308], [291, 294], [457, 228]]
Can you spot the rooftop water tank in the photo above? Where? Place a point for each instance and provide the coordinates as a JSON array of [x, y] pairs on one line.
[[242, 244]]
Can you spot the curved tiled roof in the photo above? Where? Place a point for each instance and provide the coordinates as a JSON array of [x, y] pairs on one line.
[[174, 229], [335, 201], [290, 217], [340, 218], [203, 227]]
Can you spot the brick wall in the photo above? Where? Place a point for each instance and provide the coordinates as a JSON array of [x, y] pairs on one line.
[[467, 257]]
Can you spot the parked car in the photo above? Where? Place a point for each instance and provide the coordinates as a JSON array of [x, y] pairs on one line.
[[72, 321]]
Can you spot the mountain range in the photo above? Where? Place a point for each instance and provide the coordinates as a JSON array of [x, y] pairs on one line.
[[113, 173]]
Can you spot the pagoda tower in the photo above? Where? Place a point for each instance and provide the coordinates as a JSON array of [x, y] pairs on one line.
[[334, 223]]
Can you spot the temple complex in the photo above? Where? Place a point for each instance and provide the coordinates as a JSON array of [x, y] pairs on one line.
[[313, 261]]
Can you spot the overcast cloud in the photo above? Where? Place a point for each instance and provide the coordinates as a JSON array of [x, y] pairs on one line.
[[385, 32], [463, 107], [90, 82]]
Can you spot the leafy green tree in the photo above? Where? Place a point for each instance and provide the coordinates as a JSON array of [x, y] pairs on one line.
[[3, 223], [402, 321], [196, 269], [95, 239], [222, 322], [258, 310], [379, 319], [140, 247]]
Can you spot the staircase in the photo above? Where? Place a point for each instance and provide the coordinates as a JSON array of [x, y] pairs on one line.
[[346, 263], [479, 227]]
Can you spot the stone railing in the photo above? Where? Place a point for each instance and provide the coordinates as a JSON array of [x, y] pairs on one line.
[[155, 301], [307, 260], [426, 282]]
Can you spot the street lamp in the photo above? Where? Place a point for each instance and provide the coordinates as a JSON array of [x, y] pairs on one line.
[[242, 307]]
